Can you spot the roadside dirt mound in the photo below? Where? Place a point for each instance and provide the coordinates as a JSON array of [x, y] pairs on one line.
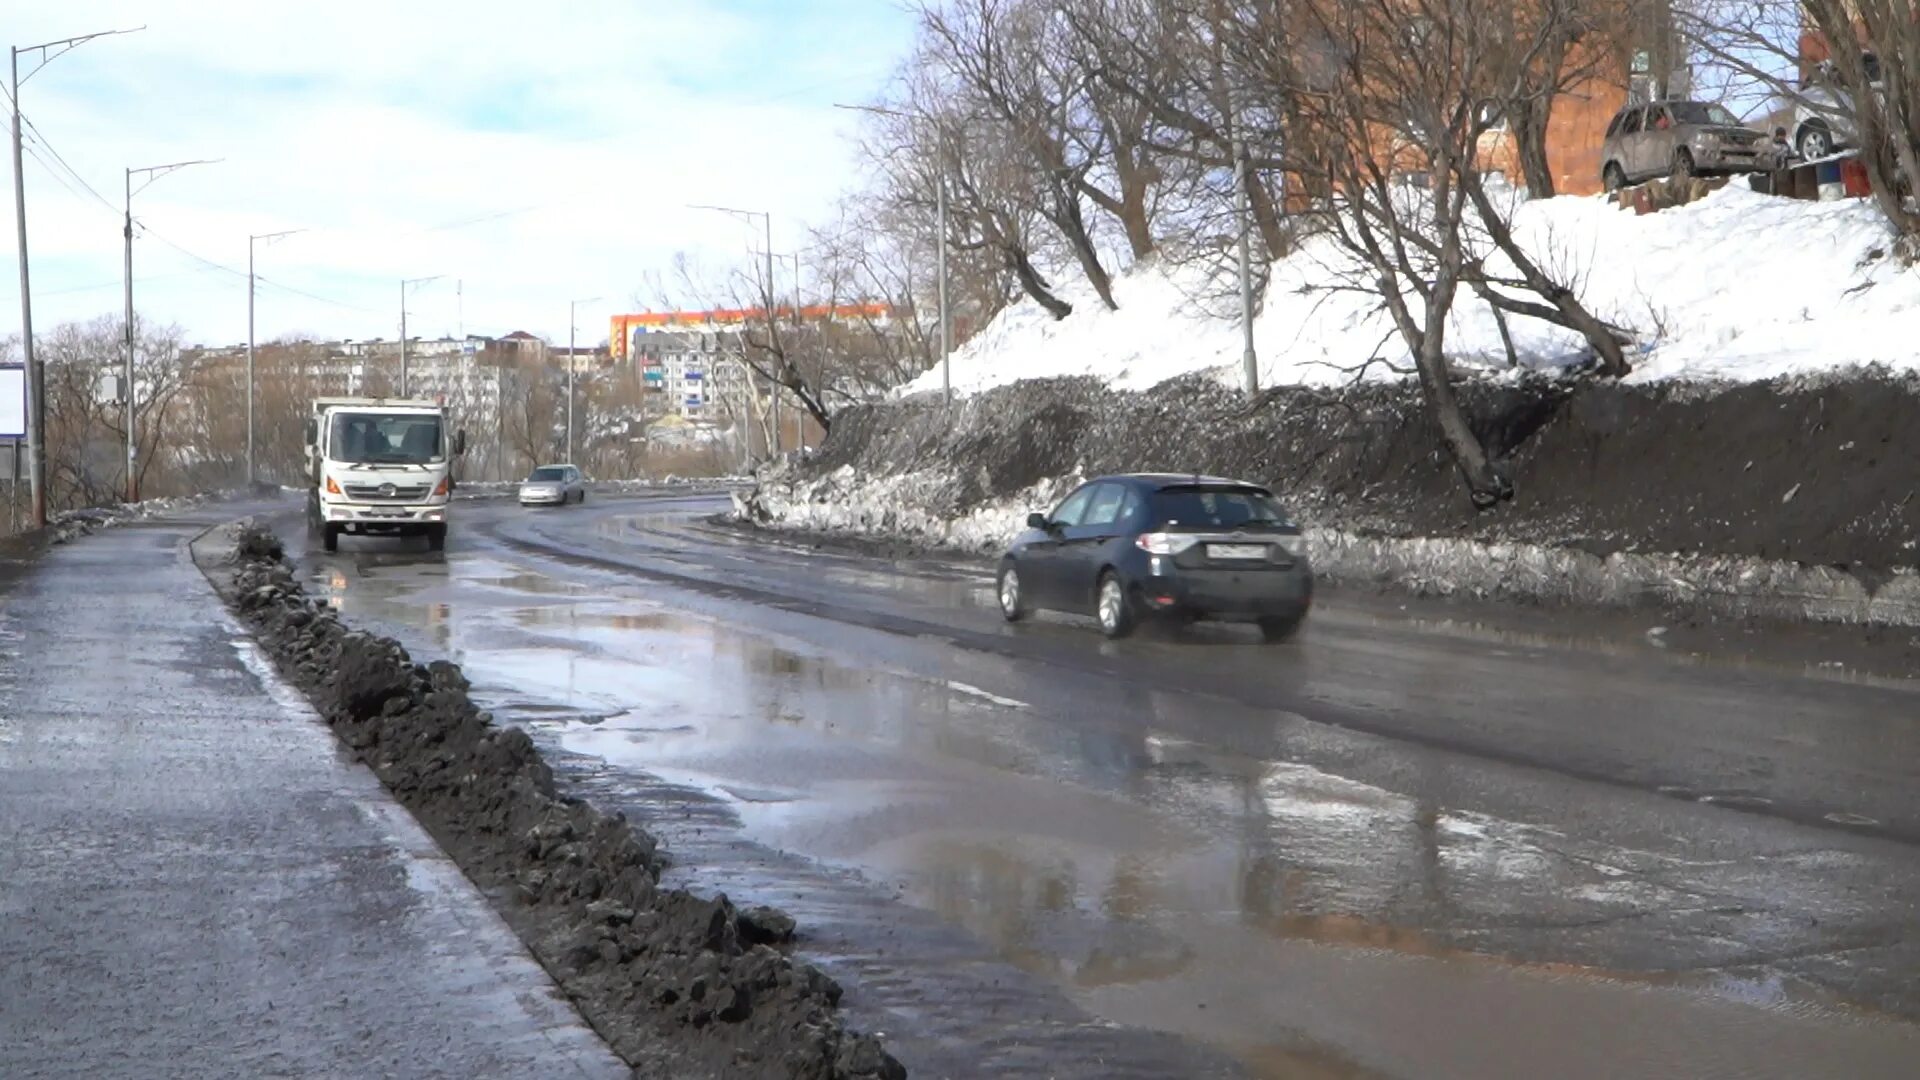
[[1813, 471], [644, 964]]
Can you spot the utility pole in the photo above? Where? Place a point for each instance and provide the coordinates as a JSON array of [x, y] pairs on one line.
[[36, 373], [572, 360], [940, 214], [152, 173], [251, 241], [946, 327], [767, 219], [1247, 359], [405, 284]]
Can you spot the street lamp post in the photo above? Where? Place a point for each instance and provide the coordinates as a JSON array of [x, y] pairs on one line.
[[35, 369], [251, 241], [152, 173], [940, 216], [572, 360], [1248, 361], [767, 219], [405, 284]]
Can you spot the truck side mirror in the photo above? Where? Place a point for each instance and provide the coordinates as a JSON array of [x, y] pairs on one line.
[[459, 442], [313, 431]]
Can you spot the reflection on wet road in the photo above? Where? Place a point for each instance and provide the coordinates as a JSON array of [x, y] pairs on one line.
[[1172, 834]]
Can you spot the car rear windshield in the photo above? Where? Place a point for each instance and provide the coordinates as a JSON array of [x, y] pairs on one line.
[[1695, 112], [548, 474], [1215, 507]]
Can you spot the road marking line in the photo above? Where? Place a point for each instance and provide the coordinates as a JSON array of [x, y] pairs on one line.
[[974, 691]]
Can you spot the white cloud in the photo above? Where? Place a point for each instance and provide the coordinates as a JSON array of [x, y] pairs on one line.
[[580, 131]]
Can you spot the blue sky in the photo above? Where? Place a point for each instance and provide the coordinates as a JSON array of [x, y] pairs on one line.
[[568, 136]]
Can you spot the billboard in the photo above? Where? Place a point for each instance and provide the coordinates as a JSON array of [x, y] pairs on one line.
[[13, 402]]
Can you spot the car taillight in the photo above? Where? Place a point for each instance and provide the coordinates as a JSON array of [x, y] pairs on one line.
[[442, 488], [332, 488], [1159, 543]]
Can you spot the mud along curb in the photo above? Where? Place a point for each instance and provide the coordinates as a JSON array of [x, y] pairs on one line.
[[652, 969]]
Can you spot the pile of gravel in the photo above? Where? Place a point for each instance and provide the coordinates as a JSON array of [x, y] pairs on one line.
[[658, 972]]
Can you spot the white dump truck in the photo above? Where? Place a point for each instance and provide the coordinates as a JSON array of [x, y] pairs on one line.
[[380, 467]]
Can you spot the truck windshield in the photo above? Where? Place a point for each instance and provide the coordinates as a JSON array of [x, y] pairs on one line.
[[1215, 507], [384, 439]]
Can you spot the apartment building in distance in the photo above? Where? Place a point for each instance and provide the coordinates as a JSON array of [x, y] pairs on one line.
[[690, 359]]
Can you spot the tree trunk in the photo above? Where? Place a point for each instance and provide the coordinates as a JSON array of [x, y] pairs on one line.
[[1033, 284], [1426, 339], [1073, 225], [1266, 215], [1484, 486], [1133, 217], [1527, 120]]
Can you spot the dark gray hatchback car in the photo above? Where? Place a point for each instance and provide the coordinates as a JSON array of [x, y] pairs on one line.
[[1123, 548]]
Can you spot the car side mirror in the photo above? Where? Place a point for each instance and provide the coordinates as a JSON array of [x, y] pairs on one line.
[[1039, 521], [459, 442]]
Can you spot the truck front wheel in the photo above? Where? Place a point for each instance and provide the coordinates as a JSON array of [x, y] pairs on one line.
[[437, 537], [330, 537]]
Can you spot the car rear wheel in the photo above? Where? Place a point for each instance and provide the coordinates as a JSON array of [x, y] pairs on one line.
[[1613, 177], [1013, 597], [1280, 628], [1114, 608]]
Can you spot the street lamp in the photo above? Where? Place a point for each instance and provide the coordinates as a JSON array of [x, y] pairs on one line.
[[152, 173], [940, 212], [405, 284], [251, 241], [35, 371], [572, 360], [768, 219]]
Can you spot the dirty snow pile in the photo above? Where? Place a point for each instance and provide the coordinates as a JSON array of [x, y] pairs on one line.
[[1738, 286], [920, 507], [481, 489], [68, 525]]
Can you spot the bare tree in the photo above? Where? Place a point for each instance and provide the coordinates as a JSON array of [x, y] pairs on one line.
[[1391, 95], [86, 429], [1002, 61], [533, 414]]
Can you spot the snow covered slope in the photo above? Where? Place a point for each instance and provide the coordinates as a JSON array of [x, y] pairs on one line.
[[1738, 286]]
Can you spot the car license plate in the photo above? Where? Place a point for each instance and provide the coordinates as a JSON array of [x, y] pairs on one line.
[[1236, 551]]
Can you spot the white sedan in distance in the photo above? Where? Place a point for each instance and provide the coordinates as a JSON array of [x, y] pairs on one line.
[[553, 485]]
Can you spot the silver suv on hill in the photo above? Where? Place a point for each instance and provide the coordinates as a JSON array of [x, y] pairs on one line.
[[1823, 117], [1682, 139]]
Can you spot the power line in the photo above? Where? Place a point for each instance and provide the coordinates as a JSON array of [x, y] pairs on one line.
[[47, 145]]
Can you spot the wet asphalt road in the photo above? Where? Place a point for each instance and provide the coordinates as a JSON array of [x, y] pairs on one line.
[[1397, 847]]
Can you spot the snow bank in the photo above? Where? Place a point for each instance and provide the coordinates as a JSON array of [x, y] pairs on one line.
[[68, 525], [1739, 286], [908, 507]]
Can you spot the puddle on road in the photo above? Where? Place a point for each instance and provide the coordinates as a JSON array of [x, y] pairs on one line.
[[1307, 922]]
